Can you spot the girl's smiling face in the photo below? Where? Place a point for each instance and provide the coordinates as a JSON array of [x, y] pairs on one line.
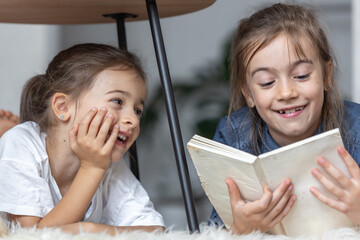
[[123, 94], [288, 90]]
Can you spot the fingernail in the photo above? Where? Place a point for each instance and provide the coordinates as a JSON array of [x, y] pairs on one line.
[[341, 149], [103, 109], [315, 171], [116, 126], [94, 109], [110, 115], [321, 160]]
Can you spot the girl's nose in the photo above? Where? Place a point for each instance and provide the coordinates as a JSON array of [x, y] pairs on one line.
[[287, 89], [130, 118]]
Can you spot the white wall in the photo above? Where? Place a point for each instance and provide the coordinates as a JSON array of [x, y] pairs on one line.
[[25, 51], [356, 50]]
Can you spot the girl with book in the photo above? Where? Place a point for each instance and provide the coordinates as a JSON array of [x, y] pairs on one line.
[[283, 90], [62, 166]]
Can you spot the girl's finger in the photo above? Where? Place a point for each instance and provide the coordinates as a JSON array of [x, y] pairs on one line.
[[335, 173], [85, 122], [104, 130], [279, 192], [280, 204], [327, 183], [96, 123], [112, 139], [263, 203], [349, 161], [325, 199], [285, 211], [234, 193], [73, 136]]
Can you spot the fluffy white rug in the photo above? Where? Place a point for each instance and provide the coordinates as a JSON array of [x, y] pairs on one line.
[[207, 233]]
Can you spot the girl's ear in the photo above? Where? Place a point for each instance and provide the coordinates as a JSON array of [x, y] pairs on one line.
[[60, 104], [328, 76], [249, 100]]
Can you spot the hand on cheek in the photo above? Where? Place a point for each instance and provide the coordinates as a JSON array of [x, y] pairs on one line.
[[90, 139], [346, 191]]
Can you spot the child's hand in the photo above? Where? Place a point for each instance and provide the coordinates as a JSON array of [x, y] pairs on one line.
[[90, 140], [346, 191], [262, 214]]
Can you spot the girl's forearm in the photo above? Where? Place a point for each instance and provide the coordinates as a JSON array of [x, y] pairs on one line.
[[74, 204]]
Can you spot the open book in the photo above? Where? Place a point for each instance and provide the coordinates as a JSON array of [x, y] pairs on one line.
[[215, 162]]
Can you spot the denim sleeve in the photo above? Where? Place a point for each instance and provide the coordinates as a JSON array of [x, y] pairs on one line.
[[219, 136], [351, 120], [215, 219]]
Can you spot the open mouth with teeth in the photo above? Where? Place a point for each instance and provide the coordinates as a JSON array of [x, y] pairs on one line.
[[289, 111], [122, 138]]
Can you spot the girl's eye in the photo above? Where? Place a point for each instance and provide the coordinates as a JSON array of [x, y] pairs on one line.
[[138, 112], [267, 84], [302, 77], [117, 101]]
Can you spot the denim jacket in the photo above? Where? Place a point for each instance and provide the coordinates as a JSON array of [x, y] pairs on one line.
[[235, 132]]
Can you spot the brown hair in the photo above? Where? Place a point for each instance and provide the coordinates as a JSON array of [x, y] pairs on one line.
[[72, 72], [256, 32]]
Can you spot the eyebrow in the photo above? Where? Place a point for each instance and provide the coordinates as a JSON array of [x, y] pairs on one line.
[[294, 64], [127, 94]]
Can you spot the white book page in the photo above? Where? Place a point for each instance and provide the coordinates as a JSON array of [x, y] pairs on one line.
[[221, 149], [295, 161], [214, 164]]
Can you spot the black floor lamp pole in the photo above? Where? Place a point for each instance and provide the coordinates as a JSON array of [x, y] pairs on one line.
[[172, 115]]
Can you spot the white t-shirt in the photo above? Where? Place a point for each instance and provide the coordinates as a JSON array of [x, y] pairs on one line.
[[28, 188]]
